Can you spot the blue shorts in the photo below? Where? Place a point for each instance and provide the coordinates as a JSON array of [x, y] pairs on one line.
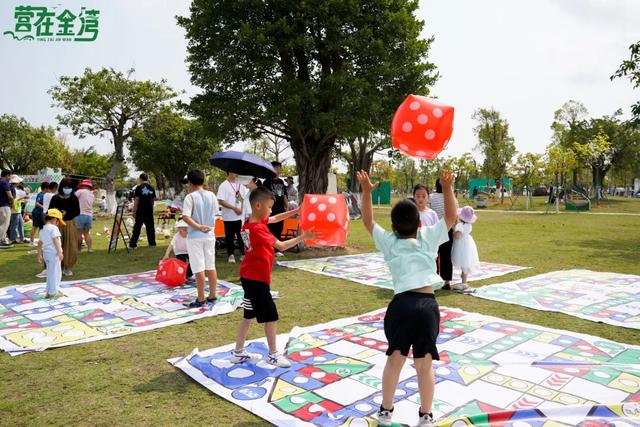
[[84, 221]]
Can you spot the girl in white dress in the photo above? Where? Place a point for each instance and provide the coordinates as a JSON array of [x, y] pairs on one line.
[[464, 254]]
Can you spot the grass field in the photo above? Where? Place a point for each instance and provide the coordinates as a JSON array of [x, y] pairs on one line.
[[126, 381]]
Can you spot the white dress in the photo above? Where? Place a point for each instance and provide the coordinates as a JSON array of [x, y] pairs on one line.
[[464, 253]]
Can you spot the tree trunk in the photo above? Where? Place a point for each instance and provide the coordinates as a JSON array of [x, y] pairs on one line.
[[313, 161], [110, 184]]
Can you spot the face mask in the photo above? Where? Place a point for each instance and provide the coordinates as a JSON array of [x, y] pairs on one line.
[[67, 191]]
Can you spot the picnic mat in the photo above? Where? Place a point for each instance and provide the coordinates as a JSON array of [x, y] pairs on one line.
[[97, 309], [492, 372], [371, 270], [602, 297]]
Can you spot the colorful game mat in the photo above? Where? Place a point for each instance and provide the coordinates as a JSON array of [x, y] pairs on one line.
[[371, 270], [492, 372], [98, 309], [602, 297]]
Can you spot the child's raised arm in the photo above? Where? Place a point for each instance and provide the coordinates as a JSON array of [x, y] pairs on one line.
[[447, 178], [367, 206], [284, 215]]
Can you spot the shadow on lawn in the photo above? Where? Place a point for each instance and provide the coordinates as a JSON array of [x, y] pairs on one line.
[[171, 382], [611, 249]]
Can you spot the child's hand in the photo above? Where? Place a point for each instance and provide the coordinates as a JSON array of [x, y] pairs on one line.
[[204, 228], [447, 178], [60, 256], [365, 182], [296, 210], [39, 259], [309, 234], [457, 234]]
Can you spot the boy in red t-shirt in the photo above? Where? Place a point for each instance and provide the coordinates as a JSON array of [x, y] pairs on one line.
[[255, 275]]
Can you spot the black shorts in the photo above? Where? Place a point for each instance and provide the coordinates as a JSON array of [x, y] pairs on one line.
[[38, 219], [258, 303], [413, 320]]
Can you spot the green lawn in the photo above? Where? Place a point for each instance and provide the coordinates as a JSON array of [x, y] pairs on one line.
[[126, 381]]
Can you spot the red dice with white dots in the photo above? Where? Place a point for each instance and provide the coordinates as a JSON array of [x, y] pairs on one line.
[[422, 127], [328, 215], [171, 272]]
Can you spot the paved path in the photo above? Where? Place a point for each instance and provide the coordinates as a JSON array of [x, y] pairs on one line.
[[553, 212]]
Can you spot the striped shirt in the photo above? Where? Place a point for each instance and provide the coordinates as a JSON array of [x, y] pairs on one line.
[[436, 202]]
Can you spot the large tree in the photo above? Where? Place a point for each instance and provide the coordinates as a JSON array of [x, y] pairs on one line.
[[630, 68], [25, 149], [358, 152], [570, 128], [314, 73], [169, 144], [494, 142], [108, 101]]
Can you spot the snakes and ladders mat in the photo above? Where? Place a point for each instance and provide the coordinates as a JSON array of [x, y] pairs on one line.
[[98, 309], [492, 372], [371, 270], [601, 297]]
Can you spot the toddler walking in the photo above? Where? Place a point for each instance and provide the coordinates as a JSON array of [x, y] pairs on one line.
[[464, 254]]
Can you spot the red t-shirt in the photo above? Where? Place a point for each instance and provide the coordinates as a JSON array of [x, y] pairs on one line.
[[258, 252]]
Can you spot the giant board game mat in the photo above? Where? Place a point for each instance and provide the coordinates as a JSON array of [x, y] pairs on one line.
[[96, 309], [601, 297], [492, 372], [371, 270]]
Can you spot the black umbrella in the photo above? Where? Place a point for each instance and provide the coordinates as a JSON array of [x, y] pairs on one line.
[[242, 164]]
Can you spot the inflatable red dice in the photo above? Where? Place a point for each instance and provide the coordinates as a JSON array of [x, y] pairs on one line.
[[171, 272], [421, 127], [329, 217]]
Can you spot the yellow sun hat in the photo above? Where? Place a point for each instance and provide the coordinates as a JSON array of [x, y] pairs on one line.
[[55, 213]]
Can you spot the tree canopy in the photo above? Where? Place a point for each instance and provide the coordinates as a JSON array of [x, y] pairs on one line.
[[108, 101], [313, 73], [25, 149], [494, 142], [169, 144]]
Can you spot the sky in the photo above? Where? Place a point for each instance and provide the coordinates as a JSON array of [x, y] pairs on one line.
[[524, 58]]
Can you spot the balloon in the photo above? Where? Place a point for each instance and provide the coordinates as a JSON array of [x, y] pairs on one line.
[[172, 272], [421, 127], [329, 217]]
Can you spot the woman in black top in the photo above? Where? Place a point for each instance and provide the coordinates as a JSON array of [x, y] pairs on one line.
[[67, 202]]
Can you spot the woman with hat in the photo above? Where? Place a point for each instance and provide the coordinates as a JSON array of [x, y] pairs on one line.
[[67, 203], [84, 222]]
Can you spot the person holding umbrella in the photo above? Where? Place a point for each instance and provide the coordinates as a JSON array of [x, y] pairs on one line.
[[277, 187]]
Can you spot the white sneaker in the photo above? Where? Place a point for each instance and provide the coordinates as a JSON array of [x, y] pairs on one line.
[[384, 417], [459, 286], [279, 254], [426, 420], [278, 360], [232, 259], [42, 274], [33, 244], [243, 356], [67, 272]]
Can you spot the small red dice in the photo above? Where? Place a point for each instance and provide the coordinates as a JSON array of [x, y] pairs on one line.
[[422, 127], [328, 215]]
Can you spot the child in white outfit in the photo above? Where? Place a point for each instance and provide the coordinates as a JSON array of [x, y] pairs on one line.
[[50, 250], [464, 253], [179, 246]]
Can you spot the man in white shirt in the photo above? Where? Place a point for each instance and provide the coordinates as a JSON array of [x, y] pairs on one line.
[[231, 196]]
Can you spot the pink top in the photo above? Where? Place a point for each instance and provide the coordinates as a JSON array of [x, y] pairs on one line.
[[85, 197]]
